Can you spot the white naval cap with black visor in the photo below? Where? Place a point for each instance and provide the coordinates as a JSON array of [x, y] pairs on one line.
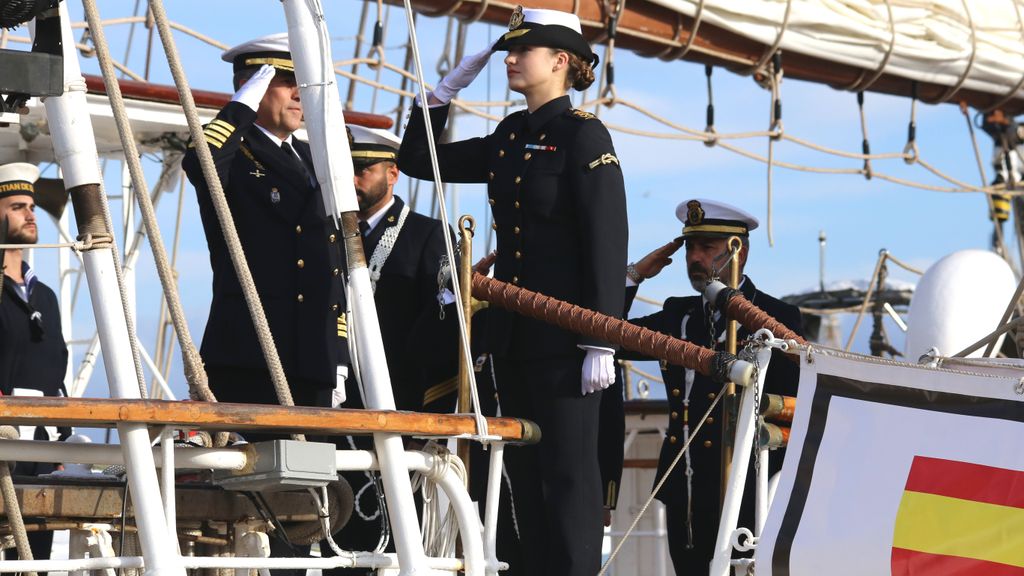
[[372, 145], [548, 28], [712, 219], [18, 179], [271, 49]]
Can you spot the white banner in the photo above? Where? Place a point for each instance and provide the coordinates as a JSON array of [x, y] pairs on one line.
[[900, 469]]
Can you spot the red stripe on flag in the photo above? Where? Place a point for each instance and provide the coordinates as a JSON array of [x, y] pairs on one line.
[[911, 563], [966, 481]]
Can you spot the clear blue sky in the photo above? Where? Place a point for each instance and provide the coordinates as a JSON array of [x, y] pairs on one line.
[[860, 217]]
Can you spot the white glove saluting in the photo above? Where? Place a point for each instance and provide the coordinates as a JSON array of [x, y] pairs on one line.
[[462, 76], [598, 369], [251, 93]]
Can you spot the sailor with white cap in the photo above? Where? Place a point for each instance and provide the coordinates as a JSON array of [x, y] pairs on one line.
[[33, 354], [692, 493], [293, 251], [405, 251], [558, 199]]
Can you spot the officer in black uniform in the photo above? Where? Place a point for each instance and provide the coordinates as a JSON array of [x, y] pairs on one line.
[[33, 354], [405, 254], [557, 195], [293, 250], [692, 494]]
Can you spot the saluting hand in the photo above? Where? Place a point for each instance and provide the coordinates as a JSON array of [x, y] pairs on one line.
[[462, 76], [652, 264], [251, 93]]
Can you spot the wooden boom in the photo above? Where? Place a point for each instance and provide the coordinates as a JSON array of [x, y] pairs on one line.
[[222, 416]]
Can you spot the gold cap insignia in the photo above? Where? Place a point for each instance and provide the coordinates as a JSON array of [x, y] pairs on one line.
[[516, 20], [694, 213]]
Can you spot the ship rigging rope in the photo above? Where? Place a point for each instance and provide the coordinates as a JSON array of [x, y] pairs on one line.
[[861, 85], [1000, 240], [687, 133], [481, 422], [195, 374], [220, 205]]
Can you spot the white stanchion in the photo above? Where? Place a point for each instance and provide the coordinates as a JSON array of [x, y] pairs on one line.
[[75, 149], [745, 431], [309, 43]]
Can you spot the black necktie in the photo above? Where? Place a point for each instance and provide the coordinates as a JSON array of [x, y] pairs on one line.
[[364, 228], [302, 163]]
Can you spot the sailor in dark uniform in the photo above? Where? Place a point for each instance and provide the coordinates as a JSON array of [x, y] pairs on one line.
[[692, 494], [293, 250], [33, 354], [557, 195], [405, 254]]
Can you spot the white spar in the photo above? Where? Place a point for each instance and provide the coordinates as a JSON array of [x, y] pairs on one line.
[[309, 43]]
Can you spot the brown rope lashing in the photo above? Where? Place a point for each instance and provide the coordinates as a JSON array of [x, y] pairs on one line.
[[602, 327], [738, 308]]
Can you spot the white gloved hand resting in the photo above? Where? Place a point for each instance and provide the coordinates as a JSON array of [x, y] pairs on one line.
[[461, 76], [338, 395], [598, 369], [251, 93]]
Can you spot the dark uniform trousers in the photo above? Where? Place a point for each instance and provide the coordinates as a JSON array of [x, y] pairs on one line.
[[705, 448], [557, 196], [612, 437], [295, 257], [32, 355], [420, 343]]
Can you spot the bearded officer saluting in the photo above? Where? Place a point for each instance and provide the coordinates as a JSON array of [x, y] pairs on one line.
[[692, 493], [293, 250]]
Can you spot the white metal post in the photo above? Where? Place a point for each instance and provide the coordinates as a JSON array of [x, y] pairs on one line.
[[75, 149], [740, 460], [310, 45], [67, 308], [491, 502]]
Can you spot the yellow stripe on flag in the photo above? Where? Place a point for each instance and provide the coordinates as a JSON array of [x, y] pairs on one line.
[[964, 528]]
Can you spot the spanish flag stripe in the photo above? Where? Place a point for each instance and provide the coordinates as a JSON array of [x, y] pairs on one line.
[[912, 563], [955, 527], [967, 481], [218, 129], [222, 124]]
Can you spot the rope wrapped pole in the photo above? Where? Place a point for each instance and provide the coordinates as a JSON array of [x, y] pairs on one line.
[[719, 366], [738, 308]]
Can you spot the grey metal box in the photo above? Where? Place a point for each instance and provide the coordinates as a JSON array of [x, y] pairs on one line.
[[283, 465]]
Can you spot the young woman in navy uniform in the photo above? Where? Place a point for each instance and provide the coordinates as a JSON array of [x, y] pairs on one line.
[[559, 206], [292, 249]]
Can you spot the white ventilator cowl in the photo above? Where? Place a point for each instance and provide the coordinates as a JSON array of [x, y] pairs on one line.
[[959, 300]]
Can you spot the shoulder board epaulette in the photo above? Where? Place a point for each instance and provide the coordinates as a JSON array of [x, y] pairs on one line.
[[581, 114]]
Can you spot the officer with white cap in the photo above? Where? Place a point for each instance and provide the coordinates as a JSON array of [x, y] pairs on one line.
[[558, 199], [293, 250], [33, 354], [692, 493]]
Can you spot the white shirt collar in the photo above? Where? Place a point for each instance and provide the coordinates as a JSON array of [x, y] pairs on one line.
[[373, 220], [277, 141]]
